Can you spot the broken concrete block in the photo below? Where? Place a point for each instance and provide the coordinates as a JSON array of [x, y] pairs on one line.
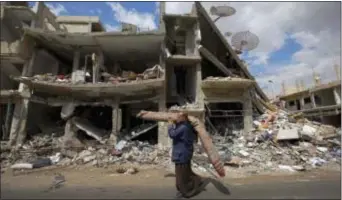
[[84, 154], [22, 166], [102, 151], [244, 153], [90, 130], [256, 123], [286, 167], [132, 170], [288, 134], [298, 168], [308, 132], [67, 110], [120, 145], [322, 149], [89, 158]]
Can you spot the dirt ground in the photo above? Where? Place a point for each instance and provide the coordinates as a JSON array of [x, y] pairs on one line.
[[146, 176], [89, 182]]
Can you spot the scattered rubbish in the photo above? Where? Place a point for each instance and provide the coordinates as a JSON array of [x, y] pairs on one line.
[[315, 162], [120, 145], [57, 182], [22, 166], [281, 144], [286, 167], [41, 163]]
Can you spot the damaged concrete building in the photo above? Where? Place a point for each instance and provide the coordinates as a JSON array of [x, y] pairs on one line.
[[321, 103], [96, 82]]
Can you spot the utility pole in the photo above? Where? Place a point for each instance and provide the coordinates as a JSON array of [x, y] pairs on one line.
[[337, 71], [283, 87]]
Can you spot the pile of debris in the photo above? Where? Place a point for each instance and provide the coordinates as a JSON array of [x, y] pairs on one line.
[[83, 76], [278, 142]]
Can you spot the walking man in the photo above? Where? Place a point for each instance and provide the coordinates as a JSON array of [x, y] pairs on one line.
[[182, 133]]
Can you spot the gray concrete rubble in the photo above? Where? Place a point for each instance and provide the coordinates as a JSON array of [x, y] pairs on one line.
[[260, 149], [105, 77]]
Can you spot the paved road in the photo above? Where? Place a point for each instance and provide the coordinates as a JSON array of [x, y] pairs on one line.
[[296, 189]]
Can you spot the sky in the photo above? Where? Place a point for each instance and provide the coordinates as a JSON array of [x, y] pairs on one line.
[[296, 38]]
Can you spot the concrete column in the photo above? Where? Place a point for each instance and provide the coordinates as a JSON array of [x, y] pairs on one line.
[[199, 94], [248, 111], [163, 138], [75, 65], [295, 104], [198, 82], [313, 102], [7, 121], [301, 101], [116, 121], [97, 63], [18, 128], [337, 97]]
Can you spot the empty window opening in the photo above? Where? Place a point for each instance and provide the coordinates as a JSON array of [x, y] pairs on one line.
[[227, 118], [134, 128], [291, 103], [298, 105], [47, 121], [307, 100]]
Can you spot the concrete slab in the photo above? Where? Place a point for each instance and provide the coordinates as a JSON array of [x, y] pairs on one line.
[[288, 134], [95, 90]]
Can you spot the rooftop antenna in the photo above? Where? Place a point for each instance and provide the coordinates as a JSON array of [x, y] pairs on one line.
[[244, 41], [222, 11]]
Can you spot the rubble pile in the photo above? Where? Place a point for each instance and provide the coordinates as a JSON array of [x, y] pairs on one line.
[[277, 142], [280, 142], [84, 76]]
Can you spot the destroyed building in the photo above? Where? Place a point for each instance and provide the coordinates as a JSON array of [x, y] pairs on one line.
[[321, 103], [95, 81]]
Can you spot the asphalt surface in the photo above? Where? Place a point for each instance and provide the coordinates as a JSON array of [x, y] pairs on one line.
[[295, 189]]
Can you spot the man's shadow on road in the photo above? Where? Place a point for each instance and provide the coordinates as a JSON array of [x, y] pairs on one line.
[[218, 185]]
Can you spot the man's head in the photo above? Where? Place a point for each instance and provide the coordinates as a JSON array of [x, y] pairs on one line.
[[182, 117]]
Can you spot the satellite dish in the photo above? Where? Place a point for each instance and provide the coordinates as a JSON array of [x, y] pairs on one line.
[[222, 11], [244, 41], [228, 34]]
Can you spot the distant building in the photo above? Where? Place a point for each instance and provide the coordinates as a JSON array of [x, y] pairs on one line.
[[81, 24], [322, 102]]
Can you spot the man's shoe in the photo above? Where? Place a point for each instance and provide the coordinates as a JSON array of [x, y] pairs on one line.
[[179, 195]]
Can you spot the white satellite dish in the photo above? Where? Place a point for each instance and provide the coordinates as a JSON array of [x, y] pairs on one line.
[[244, 41], [222, 11]]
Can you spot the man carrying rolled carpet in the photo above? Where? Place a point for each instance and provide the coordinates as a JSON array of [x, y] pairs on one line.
[[188, 183]]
